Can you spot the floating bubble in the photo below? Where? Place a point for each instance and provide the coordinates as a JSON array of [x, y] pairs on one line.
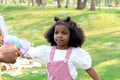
[[108, 45], [63, 13], [43, 71], [93, 18], [35, 32], [85, 23], [82, 17], [111, 18], [12, 32], [117, 46], [32, 44]]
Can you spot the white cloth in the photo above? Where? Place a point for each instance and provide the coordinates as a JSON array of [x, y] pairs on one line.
[[3, 26], [78, 59]]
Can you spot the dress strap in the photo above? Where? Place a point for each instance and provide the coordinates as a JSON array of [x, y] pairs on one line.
[[68, 53], [52, 52]]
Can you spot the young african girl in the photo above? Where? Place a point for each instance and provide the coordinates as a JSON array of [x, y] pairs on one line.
[[64, 55]]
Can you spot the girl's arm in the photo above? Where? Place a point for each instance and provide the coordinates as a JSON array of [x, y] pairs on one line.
[[93, 73]]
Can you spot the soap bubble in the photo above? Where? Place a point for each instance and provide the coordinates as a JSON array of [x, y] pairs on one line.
[[12, 32], [82, 17], [43, 71], [108, 45], [63, 13], [32, 44], [85, 23], [117, 46], [92, 18], [35, 32]]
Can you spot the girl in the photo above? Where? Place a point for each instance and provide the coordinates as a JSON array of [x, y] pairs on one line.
[[64, 55]]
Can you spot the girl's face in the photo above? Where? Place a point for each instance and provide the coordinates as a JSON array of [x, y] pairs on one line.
[[61, 36]]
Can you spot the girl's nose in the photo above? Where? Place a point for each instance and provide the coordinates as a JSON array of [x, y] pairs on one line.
[[59, 35]]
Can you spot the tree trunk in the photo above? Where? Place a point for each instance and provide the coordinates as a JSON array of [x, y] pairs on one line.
[[22, 1], [39, 2], [2, 1], [58, 3], [43, 4], [32, 2], [67, 3], [99, 4], [92, 6], [84, 4], [14, 2], [81, 4], [28, 2]]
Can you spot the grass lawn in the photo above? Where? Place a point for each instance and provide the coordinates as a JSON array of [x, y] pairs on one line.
[[102, 29]]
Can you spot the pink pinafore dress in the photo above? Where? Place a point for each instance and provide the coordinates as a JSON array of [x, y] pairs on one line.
[[59, 70]]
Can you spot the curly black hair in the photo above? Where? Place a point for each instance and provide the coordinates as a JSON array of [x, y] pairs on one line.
[[77, 37]]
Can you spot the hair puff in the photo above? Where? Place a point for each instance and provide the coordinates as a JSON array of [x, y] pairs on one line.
[[68, 19], [56, 19]]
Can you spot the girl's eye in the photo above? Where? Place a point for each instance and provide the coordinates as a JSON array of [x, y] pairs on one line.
[[64, 32], [55, 32], [60, 32]]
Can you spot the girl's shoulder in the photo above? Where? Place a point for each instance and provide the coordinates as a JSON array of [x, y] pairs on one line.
[[79, 52], [81, 58]]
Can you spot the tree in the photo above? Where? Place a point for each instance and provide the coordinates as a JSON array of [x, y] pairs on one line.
[[81, 4], [2, 1], [67, 3], [39, 2], [92, 6], [29, 1], [43, 4], [22, 1], [84, 3], [59, 3]]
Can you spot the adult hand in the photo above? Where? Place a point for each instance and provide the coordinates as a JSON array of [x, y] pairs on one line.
[[9, 53], [1, 41]]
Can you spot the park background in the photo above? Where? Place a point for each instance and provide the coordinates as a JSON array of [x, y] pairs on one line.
[[29, 19]]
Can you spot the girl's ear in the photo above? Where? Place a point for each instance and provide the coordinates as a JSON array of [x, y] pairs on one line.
[[68, 19], [56, 19]]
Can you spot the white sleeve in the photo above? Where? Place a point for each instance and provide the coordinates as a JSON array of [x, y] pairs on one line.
[[82, 59], [40, 53]]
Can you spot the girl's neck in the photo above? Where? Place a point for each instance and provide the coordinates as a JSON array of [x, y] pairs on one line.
[[62, 47]]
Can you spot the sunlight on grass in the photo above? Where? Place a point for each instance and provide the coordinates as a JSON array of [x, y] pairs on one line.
[[101, 67], [109, 68]]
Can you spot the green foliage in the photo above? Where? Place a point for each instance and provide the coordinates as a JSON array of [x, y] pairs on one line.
[[50, 1], [102, 29]]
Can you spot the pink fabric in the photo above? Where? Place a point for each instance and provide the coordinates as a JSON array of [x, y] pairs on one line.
[[58, 70]]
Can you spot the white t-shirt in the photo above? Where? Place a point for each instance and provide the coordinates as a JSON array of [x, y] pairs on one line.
[[78, 58]]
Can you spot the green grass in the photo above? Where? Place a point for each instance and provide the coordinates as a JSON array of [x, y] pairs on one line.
[[102, 29]]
